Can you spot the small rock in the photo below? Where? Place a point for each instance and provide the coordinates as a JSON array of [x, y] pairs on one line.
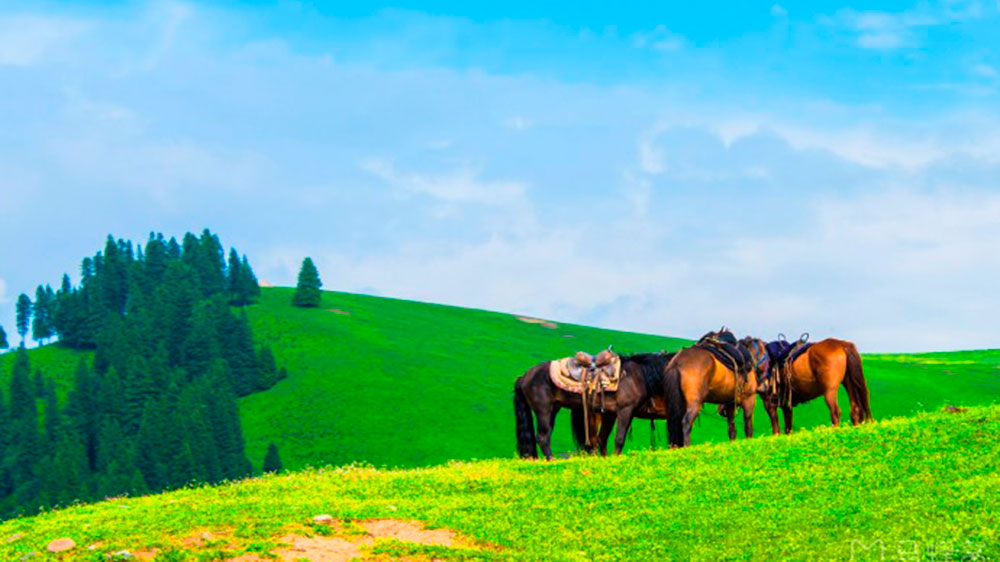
[[122, 555], [14, 537], [61, 545], [323, 519], [29, 556]]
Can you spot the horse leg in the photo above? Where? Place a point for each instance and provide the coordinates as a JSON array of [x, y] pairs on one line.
[[831, 402], [624, 424], [728, 411], [693, 409], [607, 422], [546, 417], [748, 406], [787, 411], [772, 414]]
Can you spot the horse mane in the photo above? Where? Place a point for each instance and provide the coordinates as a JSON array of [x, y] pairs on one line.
[[651, 365]]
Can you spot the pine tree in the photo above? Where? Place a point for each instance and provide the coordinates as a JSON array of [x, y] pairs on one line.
[[248, 281], [82, 409], [26, 447], [272, 461], [307, 293], [23, 316], [116, 469], [4, 344], [42, 325]]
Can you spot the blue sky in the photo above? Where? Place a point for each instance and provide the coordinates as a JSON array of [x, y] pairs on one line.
[[831, 168]]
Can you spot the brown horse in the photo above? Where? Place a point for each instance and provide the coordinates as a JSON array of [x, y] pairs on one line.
[[819, 371], [641, 394], [535, 393], [704, 378]]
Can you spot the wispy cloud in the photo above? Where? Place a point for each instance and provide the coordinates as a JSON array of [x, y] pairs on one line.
[[518, 123], [458, 186], [895, 30], [659, 39]]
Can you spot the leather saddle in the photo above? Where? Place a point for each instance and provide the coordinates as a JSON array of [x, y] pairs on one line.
[[585, 373], [724, 346], [782, 352]]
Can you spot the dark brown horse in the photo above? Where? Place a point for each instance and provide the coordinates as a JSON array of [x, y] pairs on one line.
[[701, 378], [641, 394], [819, 371], [538, 399]]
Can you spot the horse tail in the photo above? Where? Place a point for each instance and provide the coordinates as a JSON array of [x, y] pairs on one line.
[[676, 406], [525, 425], [854, 382], [578, 421]]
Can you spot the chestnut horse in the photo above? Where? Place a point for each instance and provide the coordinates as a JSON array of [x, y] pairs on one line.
[[819, 371], [703, 378]]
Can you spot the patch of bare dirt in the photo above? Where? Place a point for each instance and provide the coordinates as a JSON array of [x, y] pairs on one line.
[[321, 549], [338, 311], [539, 321], [338, 541], [144, 554], [203, 538], [408, 531]]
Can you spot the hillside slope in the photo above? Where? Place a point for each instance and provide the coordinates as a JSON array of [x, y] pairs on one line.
[[401, 383], [922, 486]]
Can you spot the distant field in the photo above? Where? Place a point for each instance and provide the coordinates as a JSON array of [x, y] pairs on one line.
[[401, 383], [926, 488]]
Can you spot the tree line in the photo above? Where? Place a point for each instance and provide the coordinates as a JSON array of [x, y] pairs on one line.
[[156, 407]]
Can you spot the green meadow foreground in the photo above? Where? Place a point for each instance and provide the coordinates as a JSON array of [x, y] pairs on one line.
[[402, 384], [916, 487]]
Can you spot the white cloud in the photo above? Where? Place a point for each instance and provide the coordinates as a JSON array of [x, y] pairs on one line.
[[518, 123], [3, 292], [458, 186], [896, 30], [26, 40], [170, 16], [779, 11], [659, 39], [984, 70]]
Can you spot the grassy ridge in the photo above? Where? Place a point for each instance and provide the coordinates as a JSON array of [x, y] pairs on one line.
[[923, 485], [401, 383]]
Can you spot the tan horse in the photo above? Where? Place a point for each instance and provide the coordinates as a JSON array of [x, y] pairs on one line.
[[702, 378], [819, 371]]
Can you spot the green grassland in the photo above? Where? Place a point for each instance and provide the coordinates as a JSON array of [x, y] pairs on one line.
[[923, 487], [400, 384]]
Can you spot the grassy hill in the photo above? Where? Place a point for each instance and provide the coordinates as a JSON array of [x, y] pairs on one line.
[[924, 487], [401, 383]]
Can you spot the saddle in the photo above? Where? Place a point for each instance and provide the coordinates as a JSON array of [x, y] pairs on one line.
[[583, 374], [782, 355], [781, 352], [724, 346]]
